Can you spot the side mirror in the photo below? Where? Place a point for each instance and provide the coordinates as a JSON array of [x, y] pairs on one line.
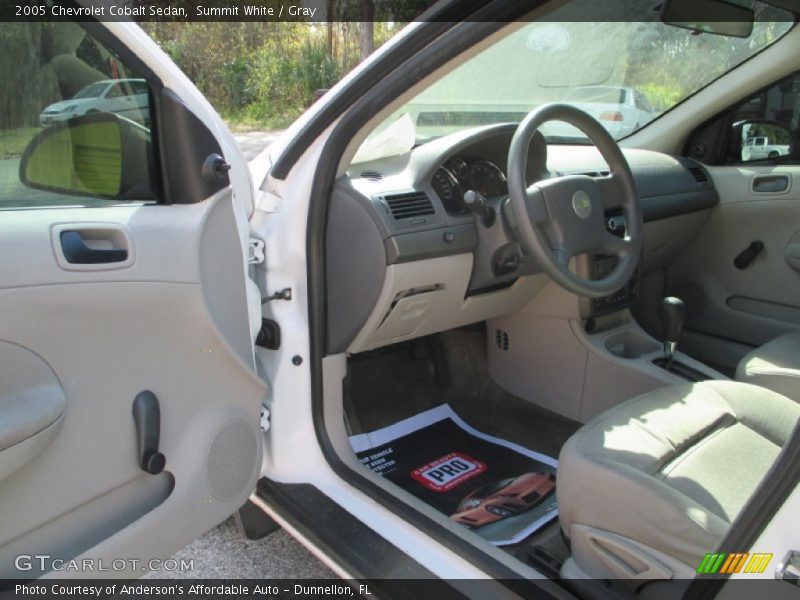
[[98, 155], [761, 139]]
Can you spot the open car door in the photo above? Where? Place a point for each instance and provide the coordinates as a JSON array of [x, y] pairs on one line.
[[129, 403]]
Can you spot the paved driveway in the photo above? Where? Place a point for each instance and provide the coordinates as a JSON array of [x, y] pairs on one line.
[[223, 553], [254, 142]]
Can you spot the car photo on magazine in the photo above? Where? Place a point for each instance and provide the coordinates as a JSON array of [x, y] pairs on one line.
[[503, 499]]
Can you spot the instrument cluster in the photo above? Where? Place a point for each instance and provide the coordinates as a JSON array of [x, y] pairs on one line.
[[460, 174]]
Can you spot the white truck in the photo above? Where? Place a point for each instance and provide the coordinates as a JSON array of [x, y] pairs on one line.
[[758, 147]]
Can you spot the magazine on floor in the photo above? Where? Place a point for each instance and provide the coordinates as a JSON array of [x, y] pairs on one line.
[[500, 490]]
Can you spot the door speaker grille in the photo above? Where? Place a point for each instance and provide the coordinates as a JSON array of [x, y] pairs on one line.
[[232, 459]]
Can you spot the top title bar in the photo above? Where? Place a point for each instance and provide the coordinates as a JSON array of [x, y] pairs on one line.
[[216, 10], [315, 11]]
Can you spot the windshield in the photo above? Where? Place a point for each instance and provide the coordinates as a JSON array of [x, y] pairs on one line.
[[625, 74], [92, 90], [599, 95]]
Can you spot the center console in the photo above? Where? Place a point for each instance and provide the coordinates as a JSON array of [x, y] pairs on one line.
[[580, 356], [553, 361]]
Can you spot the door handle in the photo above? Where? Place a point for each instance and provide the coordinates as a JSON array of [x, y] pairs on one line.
[[770, 184], [76, 251]]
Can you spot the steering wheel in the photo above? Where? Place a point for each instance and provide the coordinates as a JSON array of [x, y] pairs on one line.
[[559, 218]]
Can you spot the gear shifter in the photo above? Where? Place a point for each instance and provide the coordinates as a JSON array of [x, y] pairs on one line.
[[672, 312]]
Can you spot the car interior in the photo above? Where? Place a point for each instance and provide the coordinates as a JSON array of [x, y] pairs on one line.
[[578, 254], [626, 302]]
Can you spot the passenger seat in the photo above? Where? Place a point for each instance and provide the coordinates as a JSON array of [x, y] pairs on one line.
[[775, 366]]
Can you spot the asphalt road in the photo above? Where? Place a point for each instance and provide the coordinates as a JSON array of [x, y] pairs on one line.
[[253, 143], [223, 553]]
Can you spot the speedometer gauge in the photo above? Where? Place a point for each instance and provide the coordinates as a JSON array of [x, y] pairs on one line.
[[487, 179], [458, 167], [449, 191]]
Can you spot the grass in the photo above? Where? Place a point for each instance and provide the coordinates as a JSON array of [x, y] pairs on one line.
[[14, 141]]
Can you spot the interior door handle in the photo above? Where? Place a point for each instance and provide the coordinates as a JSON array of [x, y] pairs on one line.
[[770, 184], [76, 251]]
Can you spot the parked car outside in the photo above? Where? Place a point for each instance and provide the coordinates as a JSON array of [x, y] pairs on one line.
[[621, 110], [125, 97]]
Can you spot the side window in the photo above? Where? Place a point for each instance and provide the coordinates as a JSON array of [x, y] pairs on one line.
[[138, 87], [74, 121], [115, 91], [768, 123]]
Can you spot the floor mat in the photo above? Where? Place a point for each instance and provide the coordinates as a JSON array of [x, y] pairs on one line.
[[388, 385], [502, 491]]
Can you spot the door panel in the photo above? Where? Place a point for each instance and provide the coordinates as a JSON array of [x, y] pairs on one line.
[[174, 321], [749, 305]]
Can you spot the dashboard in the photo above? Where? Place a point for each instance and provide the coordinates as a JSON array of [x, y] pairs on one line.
[[403, 239]]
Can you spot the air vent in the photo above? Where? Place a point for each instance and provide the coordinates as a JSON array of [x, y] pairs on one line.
[[409, 204], [698, 174], [501, 339], [371, 175]]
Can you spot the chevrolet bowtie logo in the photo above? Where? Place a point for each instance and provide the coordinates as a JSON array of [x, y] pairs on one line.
[[581, 204]]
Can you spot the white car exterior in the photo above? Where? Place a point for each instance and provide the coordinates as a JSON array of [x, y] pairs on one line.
[[621, 110], [125, 97]]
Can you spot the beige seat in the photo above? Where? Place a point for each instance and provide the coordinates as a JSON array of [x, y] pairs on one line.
[[648, 487], [775, 365]]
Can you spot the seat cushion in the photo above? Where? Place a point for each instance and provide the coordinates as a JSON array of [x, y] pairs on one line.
[[671, 469], [775, 365]]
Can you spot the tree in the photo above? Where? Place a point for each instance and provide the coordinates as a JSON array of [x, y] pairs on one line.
[[329, 27], [366, 29]]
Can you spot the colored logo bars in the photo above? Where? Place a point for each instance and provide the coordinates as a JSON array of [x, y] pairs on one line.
[[728, 563]]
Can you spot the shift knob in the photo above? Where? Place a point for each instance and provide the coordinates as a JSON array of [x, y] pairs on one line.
[[672, 311]]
